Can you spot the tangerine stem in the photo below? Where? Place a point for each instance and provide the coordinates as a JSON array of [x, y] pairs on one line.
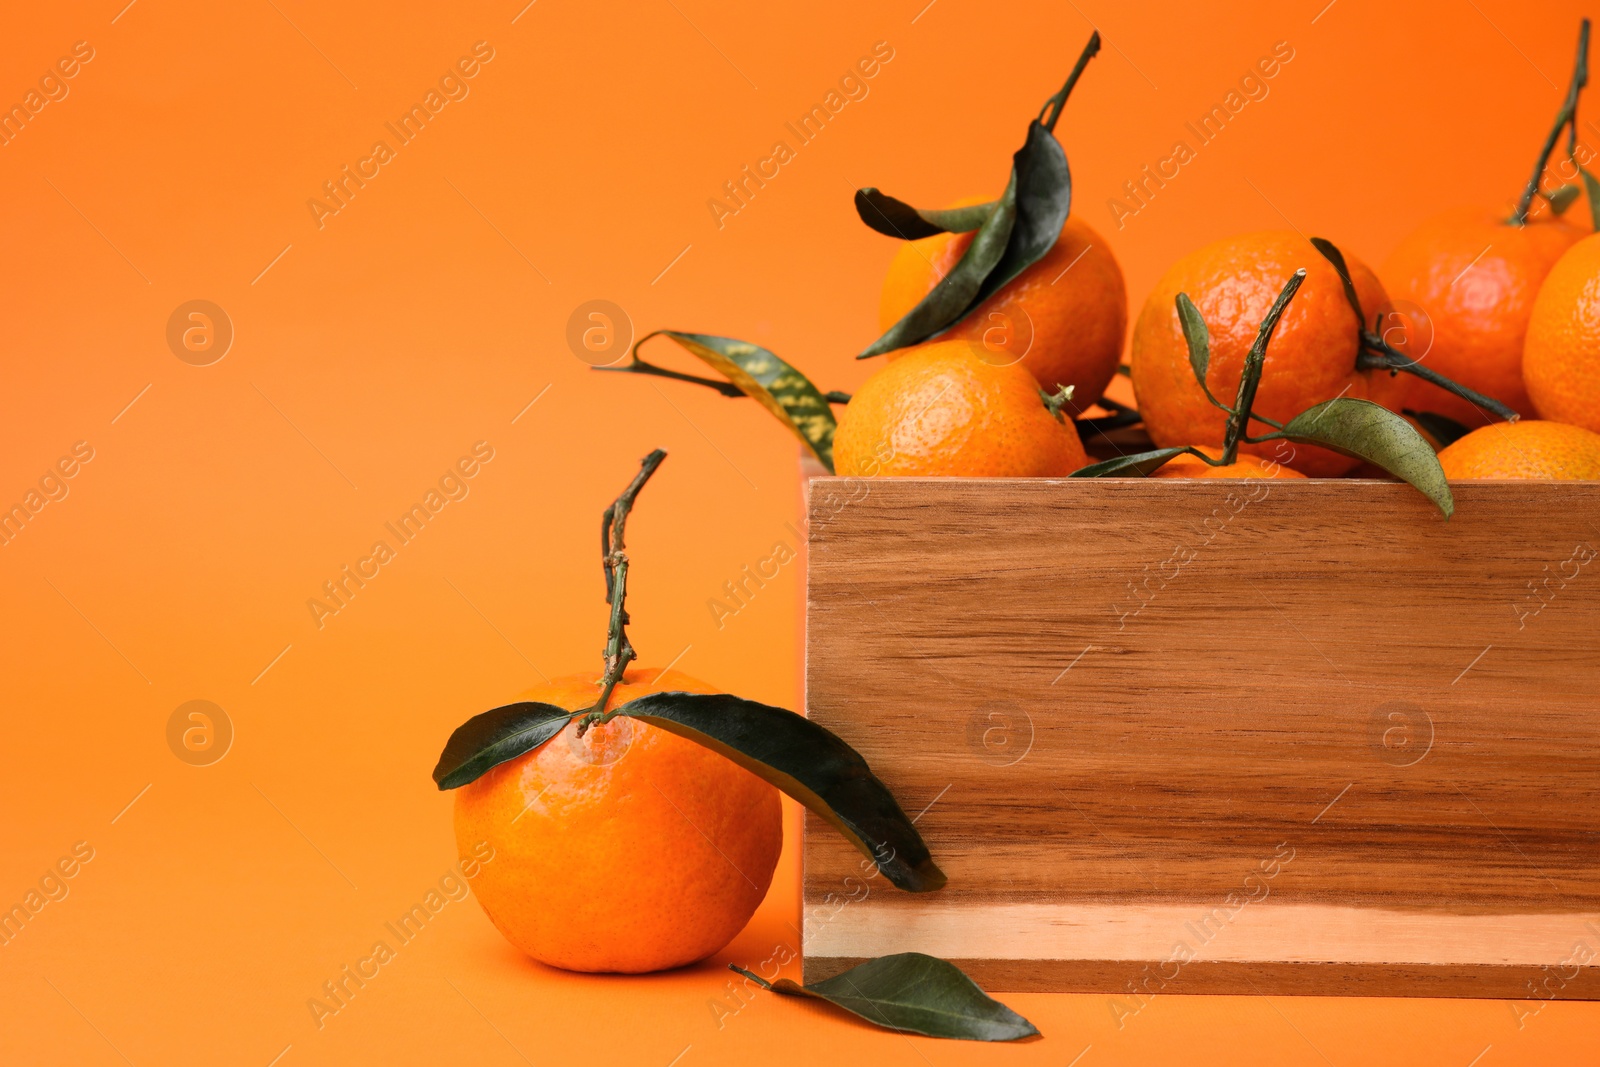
[[1258, 417], [614, 562], [635, 365], [1250, 378], [1567, 116], [1053, 106], [639, 366], [1376, 353], [1380, 356]]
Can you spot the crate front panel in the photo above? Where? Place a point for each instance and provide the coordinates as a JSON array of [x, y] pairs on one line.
[[1206, 725]]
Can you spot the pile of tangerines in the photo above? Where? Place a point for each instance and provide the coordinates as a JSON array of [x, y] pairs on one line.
[[1513, 309], [1004, 325]]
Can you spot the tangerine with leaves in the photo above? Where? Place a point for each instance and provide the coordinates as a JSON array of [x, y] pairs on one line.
[[633, 813], [942, 409], [1063, 318], [625, 849], [1313, 358], [1349, 426], [992, 272]]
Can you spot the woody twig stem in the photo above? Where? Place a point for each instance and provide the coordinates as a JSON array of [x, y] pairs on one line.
[[614, 561], [1052, 107], [1250, 378], [1566, 117]]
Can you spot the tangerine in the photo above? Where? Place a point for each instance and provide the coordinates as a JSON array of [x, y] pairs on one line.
[[628, 849], [1528, 448], [1561, 353], [941, 409], [1470, 277]]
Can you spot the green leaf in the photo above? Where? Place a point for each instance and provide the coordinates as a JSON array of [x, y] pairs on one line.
[[896, 218], [1331, 253], [494, 737], [948, 301], [1198, 340], [1020, 228], [1373, 433], [1562, 198], [1196, 336], [1044, 199], [807, 762], [915, 994], [1441, 428], [1023, 226], [776, 385], [1140, 464], [1592, 186]]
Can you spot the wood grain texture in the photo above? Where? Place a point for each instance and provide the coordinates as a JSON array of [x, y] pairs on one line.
[[1356, 745], [1128, 990]]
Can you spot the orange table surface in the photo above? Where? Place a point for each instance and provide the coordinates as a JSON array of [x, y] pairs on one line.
[[377, 336]]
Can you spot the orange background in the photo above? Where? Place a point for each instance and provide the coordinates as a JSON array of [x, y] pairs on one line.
[[424, 317]]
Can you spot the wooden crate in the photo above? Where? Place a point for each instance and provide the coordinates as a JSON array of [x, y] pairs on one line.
[[1202, 736]]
